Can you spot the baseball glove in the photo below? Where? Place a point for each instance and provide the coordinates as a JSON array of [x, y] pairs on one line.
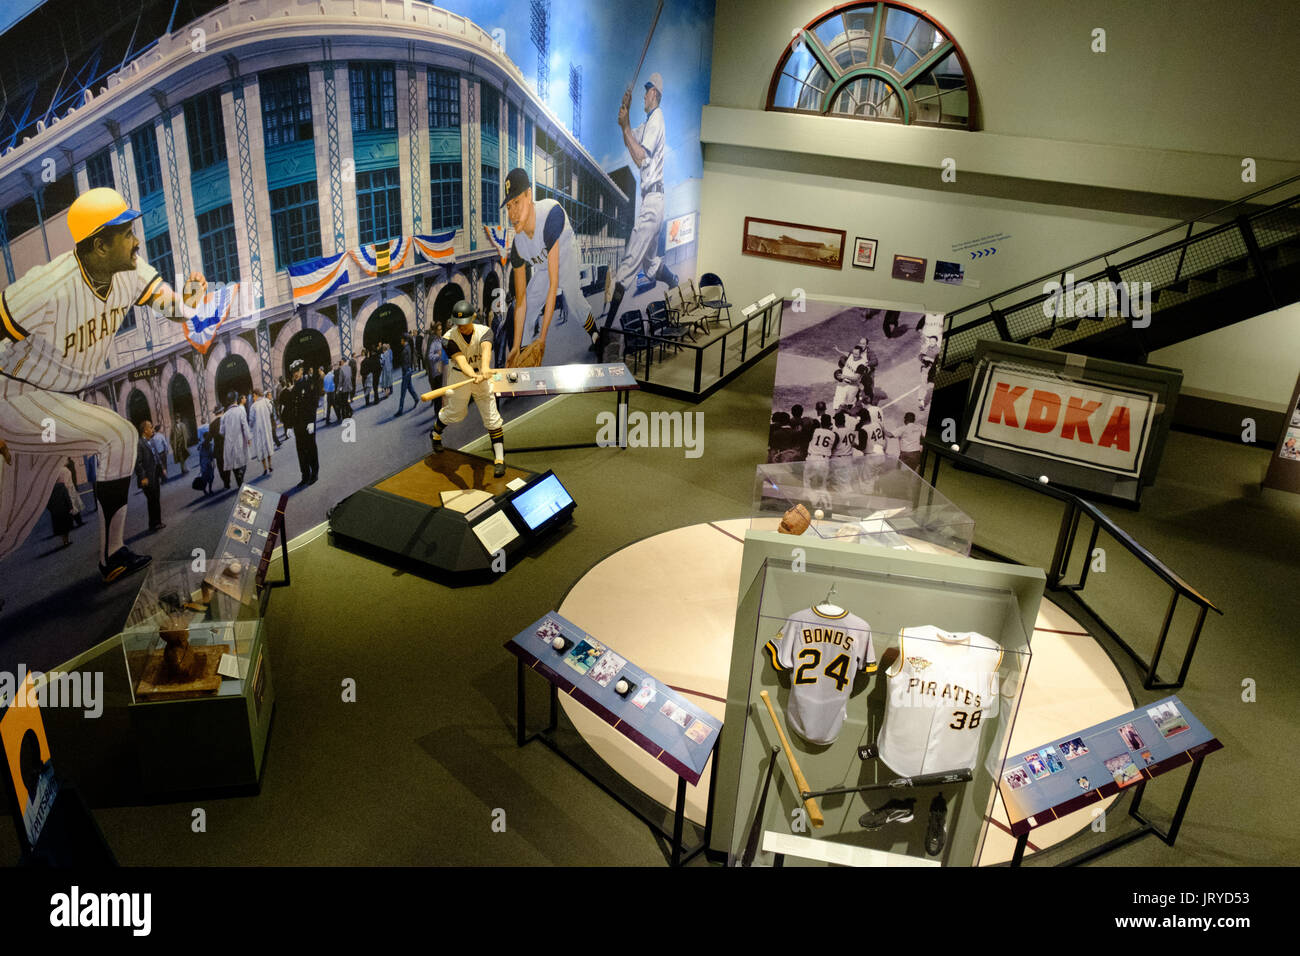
[[530, 356], [795, 521]]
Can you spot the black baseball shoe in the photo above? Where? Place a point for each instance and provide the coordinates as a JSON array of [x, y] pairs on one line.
[[121, 563], [937, 830], [666, 276], [895, 811], [498, 469], [436, 442]]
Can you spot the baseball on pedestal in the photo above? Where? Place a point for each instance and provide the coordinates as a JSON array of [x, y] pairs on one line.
[[621, 687], [1042, 479], [558, 643], [818, 514], [513, 376], [955, 447]]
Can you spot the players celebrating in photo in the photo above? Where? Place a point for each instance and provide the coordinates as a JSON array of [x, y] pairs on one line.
[[57, 324], [544, 241]]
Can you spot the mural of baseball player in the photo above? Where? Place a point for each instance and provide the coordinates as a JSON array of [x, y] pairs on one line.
[[544, 240], [646, 144], [469, 347], [57, 324]]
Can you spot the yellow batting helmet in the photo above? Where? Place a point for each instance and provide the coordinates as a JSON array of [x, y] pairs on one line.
[[95, 209]]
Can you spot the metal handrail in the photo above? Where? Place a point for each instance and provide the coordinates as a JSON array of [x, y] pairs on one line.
[[1158, 567], [1104, 256]]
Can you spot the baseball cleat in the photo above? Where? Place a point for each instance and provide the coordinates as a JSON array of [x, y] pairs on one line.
[[122, 562], [498, 469], [936, 831], [895, 811], [436, 442]]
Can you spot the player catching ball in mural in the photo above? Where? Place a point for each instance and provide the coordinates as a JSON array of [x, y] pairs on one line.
[[57, 324], [544, 240]]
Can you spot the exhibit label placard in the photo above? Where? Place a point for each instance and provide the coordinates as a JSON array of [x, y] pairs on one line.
[[1085, 423]]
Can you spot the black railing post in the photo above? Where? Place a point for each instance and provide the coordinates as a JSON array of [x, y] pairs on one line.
[[1160, 643], [1252, 250]]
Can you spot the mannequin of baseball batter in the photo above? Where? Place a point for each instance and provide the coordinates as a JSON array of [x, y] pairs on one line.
[[469, 347]]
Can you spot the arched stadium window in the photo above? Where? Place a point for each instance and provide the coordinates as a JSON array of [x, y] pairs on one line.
[[875, 61]]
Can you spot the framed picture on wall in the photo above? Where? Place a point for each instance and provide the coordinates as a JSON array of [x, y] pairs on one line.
[[910, 268], [864, 253], [793, 242]]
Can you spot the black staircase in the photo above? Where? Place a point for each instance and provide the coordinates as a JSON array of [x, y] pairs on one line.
[[1236, 262]]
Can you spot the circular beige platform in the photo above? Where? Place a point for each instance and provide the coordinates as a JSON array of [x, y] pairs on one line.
[[668, 603]]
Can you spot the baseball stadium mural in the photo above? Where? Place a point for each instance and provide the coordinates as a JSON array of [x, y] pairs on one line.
[[205, 205]]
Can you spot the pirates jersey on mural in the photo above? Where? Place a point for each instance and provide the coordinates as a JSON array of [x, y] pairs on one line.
[[942, 689], [56, 330], [824, 647]]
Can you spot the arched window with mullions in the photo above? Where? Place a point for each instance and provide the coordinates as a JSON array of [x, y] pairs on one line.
[[875, 61]]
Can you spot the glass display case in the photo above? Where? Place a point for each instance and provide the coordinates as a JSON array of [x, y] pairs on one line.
[[894, 679], [870, 499], [199, 680]]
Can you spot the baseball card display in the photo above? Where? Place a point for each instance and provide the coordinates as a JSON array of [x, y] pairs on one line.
[[942, 688], [823, 648]]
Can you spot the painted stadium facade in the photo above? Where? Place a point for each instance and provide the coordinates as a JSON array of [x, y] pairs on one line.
[[267, 133]]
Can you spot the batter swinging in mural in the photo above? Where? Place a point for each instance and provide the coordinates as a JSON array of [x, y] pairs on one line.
[[57, 324]]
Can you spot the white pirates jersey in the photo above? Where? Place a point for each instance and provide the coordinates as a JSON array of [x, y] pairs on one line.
[[853, 366], [843, 442], [822, 443], [824, 650], [942, 689], [472, 347], [56, 330], [551, 227], [845, 394], [874, 427]]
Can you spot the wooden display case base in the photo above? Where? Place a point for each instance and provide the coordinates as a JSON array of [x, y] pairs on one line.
[[152, 689]]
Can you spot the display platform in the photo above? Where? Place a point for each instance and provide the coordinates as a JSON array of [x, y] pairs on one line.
[[447, 514], [671, 599]]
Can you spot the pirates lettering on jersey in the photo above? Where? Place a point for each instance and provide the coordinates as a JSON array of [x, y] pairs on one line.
[[103, 326], [948, 693], [824, 635]]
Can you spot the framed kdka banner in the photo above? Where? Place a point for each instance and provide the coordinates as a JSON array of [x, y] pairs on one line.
[[1091, 425]]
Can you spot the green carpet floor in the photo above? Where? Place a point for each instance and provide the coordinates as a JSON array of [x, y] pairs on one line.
[[420, 768]]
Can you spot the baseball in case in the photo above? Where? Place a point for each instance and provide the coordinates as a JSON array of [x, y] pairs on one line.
[[864, 499], [884, 683]]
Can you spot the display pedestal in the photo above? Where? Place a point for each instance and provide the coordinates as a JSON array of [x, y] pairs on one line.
[[209, 743], [443, 514]]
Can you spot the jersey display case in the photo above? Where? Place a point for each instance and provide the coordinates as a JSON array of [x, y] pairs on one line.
[[883, 685], [200, 683], [868, 499]]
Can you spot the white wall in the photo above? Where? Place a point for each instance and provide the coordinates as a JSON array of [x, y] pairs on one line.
[[906, 221], [1179, 76], [1169, 110], [1252, 363]]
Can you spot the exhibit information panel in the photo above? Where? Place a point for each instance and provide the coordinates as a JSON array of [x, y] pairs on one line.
[[563, 379], [1083, 768], [641, 707]]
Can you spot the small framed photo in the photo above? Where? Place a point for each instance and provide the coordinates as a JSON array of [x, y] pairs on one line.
[[910, 268], [864, 253]]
